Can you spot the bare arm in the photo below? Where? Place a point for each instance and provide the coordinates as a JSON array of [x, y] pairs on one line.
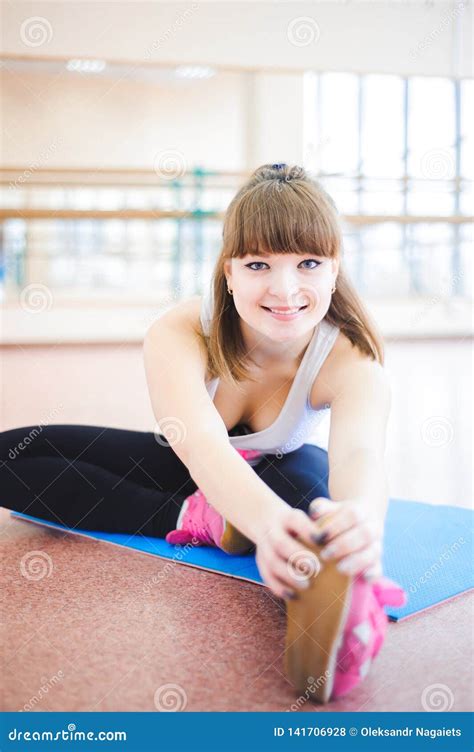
[[234, 489], [353, 520], [359, 415], [175, 365]]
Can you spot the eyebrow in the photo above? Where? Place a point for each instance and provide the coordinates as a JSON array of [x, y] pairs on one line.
[[270, 255]]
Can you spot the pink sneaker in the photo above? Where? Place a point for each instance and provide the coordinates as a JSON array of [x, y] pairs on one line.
[[335, 629], [201, 524], [364, 630], [198, 521]]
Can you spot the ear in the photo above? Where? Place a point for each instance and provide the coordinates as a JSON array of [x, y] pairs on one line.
[[335, 265], [227, 269]]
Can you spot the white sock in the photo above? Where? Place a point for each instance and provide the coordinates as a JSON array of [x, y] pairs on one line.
[[181, 514]]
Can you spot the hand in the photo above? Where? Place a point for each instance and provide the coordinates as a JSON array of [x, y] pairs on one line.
[[351, 533], [284, 564]]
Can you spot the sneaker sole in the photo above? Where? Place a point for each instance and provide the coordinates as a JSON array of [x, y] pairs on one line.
[[235, 542], [315, 627]]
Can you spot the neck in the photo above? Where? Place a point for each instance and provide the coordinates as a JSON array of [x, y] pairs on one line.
[[263, 350]]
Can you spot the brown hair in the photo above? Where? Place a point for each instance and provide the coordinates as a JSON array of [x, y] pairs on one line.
[[281, 209]]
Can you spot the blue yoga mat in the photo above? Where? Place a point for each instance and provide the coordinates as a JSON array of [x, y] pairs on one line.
[[427, 550]]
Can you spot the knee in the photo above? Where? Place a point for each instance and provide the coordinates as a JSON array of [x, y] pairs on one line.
[[309, 461], [299, 476]]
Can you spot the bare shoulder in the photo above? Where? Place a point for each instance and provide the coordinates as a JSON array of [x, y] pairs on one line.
[[186, 313], [344, 367], [175, 337]]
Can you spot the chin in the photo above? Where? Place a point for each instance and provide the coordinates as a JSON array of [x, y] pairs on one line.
[[287, 332]]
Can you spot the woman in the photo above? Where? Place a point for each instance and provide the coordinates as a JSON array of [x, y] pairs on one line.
[[281, 337]]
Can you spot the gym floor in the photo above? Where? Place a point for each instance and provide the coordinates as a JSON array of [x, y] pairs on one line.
[[105, 631]]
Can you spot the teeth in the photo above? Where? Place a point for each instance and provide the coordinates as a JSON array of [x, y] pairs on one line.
[[285, 313]]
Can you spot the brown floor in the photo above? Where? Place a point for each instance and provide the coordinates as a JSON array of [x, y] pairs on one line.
[[103, 631], [119, 631]]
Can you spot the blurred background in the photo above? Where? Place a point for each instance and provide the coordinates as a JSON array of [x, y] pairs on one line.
[[128, 127]]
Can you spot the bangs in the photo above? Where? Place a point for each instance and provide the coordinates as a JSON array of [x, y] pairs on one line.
[[276, 217]]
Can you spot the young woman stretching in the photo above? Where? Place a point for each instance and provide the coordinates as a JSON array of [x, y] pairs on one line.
[[238, 381]]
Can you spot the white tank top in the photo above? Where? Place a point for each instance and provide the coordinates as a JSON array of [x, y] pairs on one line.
[[297, 421]]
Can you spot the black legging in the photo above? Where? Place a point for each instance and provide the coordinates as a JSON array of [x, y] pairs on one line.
[[121, 481]]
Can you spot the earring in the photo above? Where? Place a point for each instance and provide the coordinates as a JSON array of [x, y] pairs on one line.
[[230, 291], [334, 289]]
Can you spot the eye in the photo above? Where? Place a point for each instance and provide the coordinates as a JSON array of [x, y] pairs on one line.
[[261, 264]]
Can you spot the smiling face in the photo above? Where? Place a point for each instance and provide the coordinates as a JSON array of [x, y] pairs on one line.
[[280, 257], [282, 296]]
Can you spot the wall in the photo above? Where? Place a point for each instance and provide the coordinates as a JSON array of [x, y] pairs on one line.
[[405, 37], [80, 122]]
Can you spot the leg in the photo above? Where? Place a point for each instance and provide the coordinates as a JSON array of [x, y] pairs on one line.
[[136, 455], [336, 627], [297, 477], [87, 477]]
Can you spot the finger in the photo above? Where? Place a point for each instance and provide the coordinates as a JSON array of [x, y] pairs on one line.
[[285, 575], [321, 506], [268, 579], [298, 568], [278, 587], [329, 527], [281, 589], [344, 519], [302, 562], [299, 524], [291, 560], [352, 540], [359, 562]]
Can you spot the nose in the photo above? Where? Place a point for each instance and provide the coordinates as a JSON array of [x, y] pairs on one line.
[[284, 288]]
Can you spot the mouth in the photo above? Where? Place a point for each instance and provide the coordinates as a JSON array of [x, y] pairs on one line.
[[285, 313]]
